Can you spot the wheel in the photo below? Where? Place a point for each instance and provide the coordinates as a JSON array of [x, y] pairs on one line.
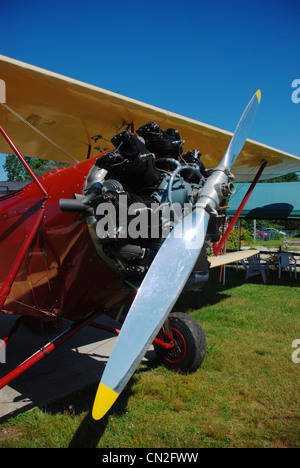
[[189, 348]]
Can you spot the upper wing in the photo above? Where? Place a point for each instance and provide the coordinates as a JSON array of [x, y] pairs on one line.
[[71, 112]]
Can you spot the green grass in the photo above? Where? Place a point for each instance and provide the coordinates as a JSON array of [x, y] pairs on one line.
[[246, 394], [273, 243], [270, 244]]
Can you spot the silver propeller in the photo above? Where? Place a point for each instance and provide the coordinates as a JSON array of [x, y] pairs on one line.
[[168, 275]]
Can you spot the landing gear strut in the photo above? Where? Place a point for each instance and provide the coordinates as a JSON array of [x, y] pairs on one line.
[[188, 343]]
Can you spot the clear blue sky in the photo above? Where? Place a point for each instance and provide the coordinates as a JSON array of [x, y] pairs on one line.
[[197, 58]]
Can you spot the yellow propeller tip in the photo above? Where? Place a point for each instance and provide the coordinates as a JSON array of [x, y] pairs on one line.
[[258, 94], [105, 398]]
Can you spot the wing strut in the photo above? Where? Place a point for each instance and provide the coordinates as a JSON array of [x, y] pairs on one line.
[[219, 245]]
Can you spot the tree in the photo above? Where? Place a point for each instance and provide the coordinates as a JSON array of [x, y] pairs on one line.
[[15, 169], [17, 172], [291, 177]]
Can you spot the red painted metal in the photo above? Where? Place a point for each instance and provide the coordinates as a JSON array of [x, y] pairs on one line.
[[5, 290], [218, 246], [165, 344], [6, 287], [47, 349], [168, 344], [176, 338]]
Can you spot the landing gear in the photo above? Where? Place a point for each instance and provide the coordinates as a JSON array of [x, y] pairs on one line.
[[187, 343]]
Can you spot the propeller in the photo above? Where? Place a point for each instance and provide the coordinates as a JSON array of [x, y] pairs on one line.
[[168, 274]]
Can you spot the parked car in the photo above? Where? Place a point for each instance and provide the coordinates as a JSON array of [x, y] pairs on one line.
[[273, 233], [262, 235]]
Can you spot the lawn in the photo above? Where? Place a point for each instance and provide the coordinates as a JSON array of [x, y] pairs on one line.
[[246, 394]]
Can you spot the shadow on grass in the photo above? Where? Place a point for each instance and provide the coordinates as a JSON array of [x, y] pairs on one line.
[[89, 432], [212, 293], [235, 278], [215, 291]]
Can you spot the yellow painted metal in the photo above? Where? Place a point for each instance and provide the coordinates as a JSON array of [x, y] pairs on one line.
[[105, 398]]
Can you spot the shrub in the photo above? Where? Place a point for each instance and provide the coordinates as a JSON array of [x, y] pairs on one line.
[[233, 239]]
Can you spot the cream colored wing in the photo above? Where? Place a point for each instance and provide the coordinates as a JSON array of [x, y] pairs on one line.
[[71, 113]]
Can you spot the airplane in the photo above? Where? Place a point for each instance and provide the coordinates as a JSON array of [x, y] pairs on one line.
[[126, 220]]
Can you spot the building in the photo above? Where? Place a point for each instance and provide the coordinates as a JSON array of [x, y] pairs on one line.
[[9, 187]]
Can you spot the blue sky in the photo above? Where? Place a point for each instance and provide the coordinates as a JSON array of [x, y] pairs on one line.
[[200, 59]]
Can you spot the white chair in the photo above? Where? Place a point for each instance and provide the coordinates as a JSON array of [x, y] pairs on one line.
[[284, 262], [255, 266]]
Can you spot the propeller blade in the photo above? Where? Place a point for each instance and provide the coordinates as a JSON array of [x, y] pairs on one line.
[[241, 132], [158, 293], [167, 276]]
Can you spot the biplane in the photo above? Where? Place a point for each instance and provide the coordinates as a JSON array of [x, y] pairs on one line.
[[124, 221]]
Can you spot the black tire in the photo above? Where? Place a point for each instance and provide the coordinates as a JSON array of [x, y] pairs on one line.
[[190, 349]]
